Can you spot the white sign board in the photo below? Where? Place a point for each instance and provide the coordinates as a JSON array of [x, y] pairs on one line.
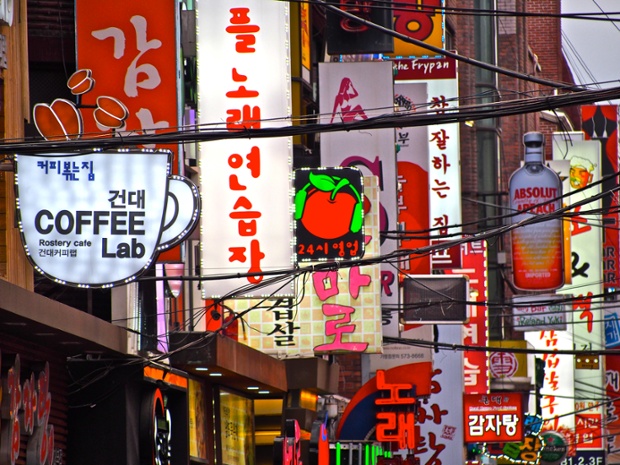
[[101, 218]]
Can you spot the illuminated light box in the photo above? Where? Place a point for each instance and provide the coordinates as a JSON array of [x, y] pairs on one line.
[[329, 214], [100, 218]]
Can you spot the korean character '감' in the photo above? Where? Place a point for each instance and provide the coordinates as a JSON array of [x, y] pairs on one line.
[[243, 30], [476, 425]]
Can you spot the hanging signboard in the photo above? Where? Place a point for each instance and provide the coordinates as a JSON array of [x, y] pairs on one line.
[[329, 214], [544, 312], [493, 417], [101, 218]]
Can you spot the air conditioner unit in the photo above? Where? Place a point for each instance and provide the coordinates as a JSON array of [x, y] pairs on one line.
[[435, 299]]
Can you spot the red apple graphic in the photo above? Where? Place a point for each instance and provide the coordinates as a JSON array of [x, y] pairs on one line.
[[329, 206]]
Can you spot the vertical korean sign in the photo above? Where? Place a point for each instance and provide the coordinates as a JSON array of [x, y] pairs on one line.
[[131, 49], [427, 155], [354, 92], [244, 83], [587, 280], [476, 330]]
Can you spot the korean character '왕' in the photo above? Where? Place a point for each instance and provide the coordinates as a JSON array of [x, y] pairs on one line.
[[242, 29]]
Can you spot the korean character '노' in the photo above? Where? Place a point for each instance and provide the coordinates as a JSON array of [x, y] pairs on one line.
[[440, 138], [241, 91], [242, 29]]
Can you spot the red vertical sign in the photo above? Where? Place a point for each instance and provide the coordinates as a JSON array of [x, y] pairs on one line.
[[132, 50], [475, 363]]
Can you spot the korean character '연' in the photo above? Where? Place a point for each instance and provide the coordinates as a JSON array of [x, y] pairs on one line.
[[253, 164]]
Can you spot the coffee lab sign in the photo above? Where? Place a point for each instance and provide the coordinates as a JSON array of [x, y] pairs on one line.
[[100, 218]]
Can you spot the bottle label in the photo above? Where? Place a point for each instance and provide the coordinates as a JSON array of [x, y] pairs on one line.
[[537, 254]]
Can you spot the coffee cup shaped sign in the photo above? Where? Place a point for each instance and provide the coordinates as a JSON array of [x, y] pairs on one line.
[[100, 219]]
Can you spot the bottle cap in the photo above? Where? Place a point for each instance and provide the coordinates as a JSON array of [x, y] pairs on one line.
[[534, 147]]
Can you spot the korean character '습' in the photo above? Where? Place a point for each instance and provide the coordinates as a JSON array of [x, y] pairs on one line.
[[242, 210]]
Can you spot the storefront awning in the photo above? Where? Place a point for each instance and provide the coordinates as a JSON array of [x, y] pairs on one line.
[[227, 362]]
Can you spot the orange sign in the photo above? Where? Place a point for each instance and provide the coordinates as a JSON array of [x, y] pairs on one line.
[[132, 53]]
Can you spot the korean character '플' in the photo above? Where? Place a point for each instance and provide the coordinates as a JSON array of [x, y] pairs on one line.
[[242, 29]]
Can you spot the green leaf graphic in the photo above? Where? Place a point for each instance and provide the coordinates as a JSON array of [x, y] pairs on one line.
[[358, 218], [300, 201], [322, 182]]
